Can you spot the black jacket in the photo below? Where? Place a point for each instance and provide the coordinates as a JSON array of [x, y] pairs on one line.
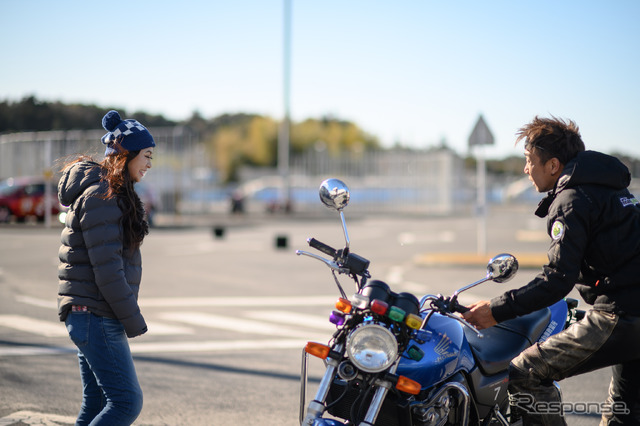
[[594, 224], [94, 269]]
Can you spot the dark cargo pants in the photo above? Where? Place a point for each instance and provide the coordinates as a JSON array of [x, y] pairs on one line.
[[601, 339]]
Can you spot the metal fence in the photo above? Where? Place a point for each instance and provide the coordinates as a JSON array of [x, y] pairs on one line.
[[428, 182], [43, 154], [184, 178]]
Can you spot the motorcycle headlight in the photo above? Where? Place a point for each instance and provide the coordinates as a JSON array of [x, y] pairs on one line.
[[372, 348]]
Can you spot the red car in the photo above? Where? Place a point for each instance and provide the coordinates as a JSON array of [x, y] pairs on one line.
[[25, 196]]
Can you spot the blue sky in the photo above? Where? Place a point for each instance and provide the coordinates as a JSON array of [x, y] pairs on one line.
[[416, 71]]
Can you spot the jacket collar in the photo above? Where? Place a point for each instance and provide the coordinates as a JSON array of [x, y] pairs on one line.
[[545, 203]]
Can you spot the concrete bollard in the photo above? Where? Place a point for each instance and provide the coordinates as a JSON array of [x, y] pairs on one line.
[[218, 231], [282, 241]]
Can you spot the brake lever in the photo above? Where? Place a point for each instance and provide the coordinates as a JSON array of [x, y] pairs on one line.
[[464, 322], [447, 307], [330, 263]]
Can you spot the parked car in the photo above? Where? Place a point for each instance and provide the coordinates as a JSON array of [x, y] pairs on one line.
[[24, 197]]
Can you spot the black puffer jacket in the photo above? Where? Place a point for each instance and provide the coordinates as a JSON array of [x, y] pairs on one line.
[[94, 269], [594, 224]]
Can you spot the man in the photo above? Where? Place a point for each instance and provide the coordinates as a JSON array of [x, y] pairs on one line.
[[594, 224]]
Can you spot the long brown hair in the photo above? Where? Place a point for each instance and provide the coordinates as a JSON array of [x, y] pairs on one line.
[[115, 171]]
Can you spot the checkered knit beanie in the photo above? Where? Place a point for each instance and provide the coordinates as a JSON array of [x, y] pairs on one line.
[[129, 134]]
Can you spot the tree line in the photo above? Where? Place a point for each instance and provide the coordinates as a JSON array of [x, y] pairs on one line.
[[233, 140]]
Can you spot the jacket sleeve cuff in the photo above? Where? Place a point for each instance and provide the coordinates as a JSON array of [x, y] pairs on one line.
[[500, 310]]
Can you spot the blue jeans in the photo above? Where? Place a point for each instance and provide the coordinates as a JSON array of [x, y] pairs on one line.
[[111, 392]]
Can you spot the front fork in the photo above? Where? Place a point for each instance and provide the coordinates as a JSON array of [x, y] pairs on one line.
[[378, 399], [316, 407]]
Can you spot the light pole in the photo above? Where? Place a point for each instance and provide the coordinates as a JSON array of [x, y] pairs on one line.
[[285, 124]]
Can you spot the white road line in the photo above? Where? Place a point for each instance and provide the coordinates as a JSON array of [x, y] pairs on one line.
[[395, 274], [57, 329], [182, 302], [33, 418], [211, 247], [218, 345], [37, 350], [294, 318], [30, 325], [42, 303], [193, 249], [162, 329], [232, 324], [406, 238], [418, 289], [165, 347]]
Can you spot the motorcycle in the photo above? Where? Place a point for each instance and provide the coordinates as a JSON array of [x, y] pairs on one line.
[[396, 360]]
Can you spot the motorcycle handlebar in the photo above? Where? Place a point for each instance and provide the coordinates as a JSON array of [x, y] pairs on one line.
[[324, 248], [457, 307], [447, 306]]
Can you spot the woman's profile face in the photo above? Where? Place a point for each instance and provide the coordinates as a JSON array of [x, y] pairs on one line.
[[140, 164]]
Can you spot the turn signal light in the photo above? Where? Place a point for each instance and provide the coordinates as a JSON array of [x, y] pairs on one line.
[[336, 318], [379, 307], [343, 305], [413, 321], [317, 349], [415, 353], [407, 385], [396, 314]]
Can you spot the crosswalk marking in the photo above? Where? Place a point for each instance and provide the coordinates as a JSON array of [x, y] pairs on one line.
[[294, 318], [232, 324], [37, 350], [31, 325], [57, 329], [33, 418], [286, 329], [217, 345], [164, 347], [189, 302], [259, 324], [162, 329], [41, 303]]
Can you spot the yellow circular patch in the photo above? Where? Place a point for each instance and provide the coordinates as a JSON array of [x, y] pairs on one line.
[[557, 230]]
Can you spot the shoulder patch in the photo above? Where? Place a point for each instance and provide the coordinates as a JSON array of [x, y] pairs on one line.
[[557, 230], [633, 201]]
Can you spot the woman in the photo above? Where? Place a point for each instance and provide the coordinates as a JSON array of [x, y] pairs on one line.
[[100, 269]]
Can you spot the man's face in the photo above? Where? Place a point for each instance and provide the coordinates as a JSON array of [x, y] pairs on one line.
[[543, 175]]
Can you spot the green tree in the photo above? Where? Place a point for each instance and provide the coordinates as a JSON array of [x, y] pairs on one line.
[[336, 134], [245, 140]]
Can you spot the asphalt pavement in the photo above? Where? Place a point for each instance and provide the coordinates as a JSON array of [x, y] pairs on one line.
[[230, 306]]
